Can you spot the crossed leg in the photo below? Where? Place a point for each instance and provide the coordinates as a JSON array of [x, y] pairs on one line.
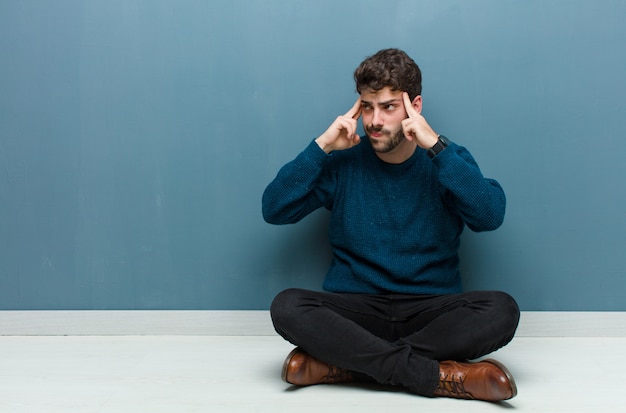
[[395, 339]]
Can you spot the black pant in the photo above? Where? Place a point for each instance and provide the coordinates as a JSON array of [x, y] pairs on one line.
[[395, 339]]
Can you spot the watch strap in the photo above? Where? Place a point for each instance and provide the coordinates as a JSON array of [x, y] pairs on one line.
[[442, 143]]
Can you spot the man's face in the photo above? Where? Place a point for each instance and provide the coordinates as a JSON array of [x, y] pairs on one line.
[[382, 112]]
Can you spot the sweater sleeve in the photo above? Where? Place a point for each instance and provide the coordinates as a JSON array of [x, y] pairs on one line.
[[298, 189], [479, 201]]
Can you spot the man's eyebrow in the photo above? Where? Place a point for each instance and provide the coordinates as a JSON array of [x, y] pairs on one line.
[[385, 103], [388, 102]]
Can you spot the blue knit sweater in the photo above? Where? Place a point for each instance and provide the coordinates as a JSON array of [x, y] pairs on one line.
[[393, 228]]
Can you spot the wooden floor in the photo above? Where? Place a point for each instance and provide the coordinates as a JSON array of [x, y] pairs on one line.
[[179, 374]]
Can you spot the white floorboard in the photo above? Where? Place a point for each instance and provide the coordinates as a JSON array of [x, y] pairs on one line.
[[179, 374]]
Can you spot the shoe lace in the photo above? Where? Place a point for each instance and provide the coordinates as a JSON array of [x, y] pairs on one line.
[[454, 386], [336, 374]]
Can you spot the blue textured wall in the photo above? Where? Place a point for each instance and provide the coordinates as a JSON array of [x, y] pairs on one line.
[[137, 136]]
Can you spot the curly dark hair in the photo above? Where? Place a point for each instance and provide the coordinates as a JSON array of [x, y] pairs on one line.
[[392, 68]]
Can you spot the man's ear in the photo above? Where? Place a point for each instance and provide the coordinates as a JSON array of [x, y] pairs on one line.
[[417, 103]]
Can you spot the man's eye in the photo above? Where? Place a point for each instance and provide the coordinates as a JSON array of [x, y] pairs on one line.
[[390, 107]]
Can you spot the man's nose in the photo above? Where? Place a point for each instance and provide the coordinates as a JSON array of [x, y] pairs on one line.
[[377, 120]]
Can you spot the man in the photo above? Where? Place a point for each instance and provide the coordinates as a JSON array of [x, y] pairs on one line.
[[393, 310]]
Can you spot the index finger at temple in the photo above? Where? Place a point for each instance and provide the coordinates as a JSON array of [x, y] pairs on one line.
[[408, 106], [355, 110]]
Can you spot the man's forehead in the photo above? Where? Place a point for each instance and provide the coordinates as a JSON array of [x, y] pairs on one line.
[[384, 94]]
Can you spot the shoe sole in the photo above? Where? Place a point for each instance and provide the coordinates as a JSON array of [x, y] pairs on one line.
[[507, 373], [283, 374]]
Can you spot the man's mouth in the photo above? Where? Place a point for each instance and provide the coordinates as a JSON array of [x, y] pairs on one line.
[[376, 133]]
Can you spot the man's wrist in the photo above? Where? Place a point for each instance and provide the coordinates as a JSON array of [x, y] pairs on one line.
[[441, 144], [323, 146]]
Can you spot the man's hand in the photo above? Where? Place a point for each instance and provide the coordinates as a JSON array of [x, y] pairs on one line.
[[415, 126], [341, 134]]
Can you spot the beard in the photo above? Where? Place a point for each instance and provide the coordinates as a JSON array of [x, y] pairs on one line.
[[385, 146]]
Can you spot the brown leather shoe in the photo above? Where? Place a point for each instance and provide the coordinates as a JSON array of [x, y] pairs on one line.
[[485, 380], [302, 369]]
